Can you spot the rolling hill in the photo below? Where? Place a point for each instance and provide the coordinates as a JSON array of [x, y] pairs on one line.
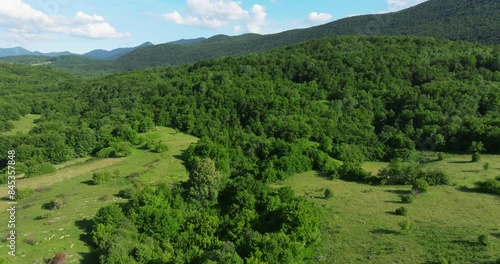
[[475, 21]]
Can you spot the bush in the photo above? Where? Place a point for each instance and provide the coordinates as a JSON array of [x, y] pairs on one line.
[[484, 240], [100, 177], [401, 211], [489, 186], [420, 186], [407, 198], [435, 177], [161, 147], [106, 152], [328, 193], [58, 202], [353, 172], [121, 149], [24, 193], [406, 226], [34, 168], [441, 156], [476, 157], [486, 166], [59, 258], [31, 240]]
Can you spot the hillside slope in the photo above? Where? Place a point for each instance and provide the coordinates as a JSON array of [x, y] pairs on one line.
[[476, 21]]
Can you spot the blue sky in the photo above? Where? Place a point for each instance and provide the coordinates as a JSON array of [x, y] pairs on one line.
[[83, 25]]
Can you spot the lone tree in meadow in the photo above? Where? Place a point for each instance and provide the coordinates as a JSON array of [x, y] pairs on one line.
[[476, 148]]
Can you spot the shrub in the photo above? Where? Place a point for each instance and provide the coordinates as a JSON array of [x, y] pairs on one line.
[[441, 156], [401, 211], [328, 193], [100, 177], [407, 198], [489, 186], [399, 172], [484, 240], [34, 168], [476, 157], [23, 193], [435, 177], [58, 202], [406, 226], [106, 152], [420, 186], [31, 240], [59, 258], [161, 147], [105, 198], [121, 149], [486, 166], [353, 172], [150, 144]]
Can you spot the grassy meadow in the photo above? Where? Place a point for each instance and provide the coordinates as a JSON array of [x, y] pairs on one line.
[[23, 125], [360, 226], [41, 233]]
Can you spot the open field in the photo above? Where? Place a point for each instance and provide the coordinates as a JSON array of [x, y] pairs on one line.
[[24, 125], [360, 226], [41, 233]]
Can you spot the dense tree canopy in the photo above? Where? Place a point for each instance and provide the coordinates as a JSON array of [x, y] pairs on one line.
[[327, 104]]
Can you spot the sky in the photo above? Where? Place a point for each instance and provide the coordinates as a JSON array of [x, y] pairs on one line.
[[80, 26]]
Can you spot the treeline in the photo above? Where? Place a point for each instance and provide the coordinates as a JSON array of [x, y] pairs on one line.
[[328, 105], [294, 109], [304, 107]]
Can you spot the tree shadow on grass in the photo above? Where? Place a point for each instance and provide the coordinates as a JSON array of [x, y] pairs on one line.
[[400, 192], [394, 202], [466, 243], [89, 182], [466, 189], [86, 226], [460, 161], [384, 231], [497, 235]]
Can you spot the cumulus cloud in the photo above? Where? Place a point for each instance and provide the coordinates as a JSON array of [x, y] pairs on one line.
[[318, 18], [24, 21], [259, 19], [395, 5], [219, 13], [208, 13]]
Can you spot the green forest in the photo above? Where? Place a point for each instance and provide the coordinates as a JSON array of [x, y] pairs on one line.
[[328, 105]]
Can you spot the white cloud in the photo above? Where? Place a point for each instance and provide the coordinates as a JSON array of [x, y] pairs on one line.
[[219, 13], [395, 5], [25, 22], [222, 9], [318, 18], [193, 21], [237, 28], [259, 19], [208, 13]]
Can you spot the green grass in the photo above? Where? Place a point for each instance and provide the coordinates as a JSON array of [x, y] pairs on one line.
[[24, 125], [359, 225], [67, 232]]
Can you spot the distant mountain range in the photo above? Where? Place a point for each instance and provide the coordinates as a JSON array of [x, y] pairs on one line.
[[469, 20], [98, 54], [18, 51]]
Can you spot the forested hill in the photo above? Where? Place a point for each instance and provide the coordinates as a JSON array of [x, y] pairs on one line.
[[477, 21], [262, 118]]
